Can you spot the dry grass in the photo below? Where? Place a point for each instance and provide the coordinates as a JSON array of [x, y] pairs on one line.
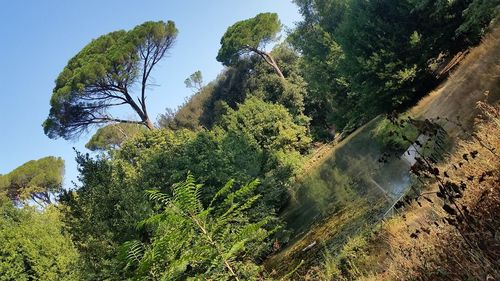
[[439, 250], [477, 75], [443, 252]]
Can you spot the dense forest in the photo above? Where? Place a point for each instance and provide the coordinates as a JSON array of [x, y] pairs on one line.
[[200, 192]]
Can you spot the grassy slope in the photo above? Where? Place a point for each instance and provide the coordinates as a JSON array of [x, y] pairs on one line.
[[477, 75], [390, 253], [438, 252], [476, 79]]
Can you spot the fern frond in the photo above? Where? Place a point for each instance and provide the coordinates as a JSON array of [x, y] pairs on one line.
[[158, 196], [151, 221], [251, 230], [193, 242], [223, 191], [186, 195], [135, 251], [249, 203], [247, 189], [235, 249]]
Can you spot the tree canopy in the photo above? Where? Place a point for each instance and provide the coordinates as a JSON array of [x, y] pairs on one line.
[[103, 74], [38, 180], [34, 245], [248, 36], [112, 135]]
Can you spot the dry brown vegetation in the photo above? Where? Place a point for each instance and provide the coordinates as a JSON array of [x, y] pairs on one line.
[[426, 242], [477, 75], [436, 249]]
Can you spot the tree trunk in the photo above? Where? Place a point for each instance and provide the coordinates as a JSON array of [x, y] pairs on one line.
[[141, 111], [149, 124], [273, 63], [268, 59]]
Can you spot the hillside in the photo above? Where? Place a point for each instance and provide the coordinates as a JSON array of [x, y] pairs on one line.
[[476, 79], [339, 201]]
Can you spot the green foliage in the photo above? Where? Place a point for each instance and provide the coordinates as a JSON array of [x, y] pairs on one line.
[[111, 136], [281, 139], [327, 101], [452, 26], [477, 17], [194, 81], [384, 72], [396, 135], [102, 213], [34, 245], [256, 139], [162, 158], [269, 126], [246, 36], [362, 58], [264, 84], [189, 241], [102, 75], [38, 180]]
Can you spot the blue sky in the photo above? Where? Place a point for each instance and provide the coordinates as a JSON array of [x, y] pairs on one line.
[[39, 37]]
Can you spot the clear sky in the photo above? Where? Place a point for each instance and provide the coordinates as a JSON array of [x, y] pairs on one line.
[[39, 37]]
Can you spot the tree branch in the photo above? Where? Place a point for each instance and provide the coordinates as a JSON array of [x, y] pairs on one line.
[[110, 119], [268, 59]]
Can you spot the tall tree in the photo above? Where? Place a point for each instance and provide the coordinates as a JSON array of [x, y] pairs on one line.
[[37, 180], [103, 74], [382, 55], [327, 100], [250, 36]]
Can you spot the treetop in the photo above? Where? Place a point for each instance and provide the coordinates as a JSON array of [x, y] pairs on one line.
[[245, 35], [101, 74]]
